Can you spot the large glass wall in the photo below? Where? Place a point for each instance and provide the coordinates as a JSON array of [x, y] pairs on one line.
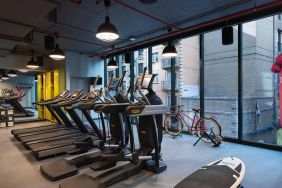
[[161, 67], [260, 86], [187, 82], [221, 81], [261, 43]]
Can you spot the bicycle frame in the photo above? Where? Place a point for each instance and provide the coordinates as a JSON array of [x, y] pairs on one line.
[[191, 128]]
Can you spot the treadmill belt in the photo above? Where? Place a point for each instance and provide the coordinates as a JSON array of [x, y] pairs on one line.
[[54, 143], [33, 129], [48, 135]]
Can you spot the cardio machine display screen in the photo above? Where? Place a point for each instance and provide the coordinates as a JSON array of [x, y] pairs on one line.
[[114, 85], [146, 82]]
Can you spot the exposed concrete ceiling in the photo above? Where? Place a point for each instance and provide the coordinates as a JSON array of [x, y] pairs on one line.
[[77, 24]]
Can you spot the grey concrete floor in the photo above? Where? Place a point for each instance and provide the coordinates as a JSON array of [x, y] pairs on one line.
[[18, 168]]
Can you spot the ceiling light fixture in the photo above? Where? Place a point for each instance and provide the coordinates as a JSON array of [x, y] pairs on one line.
[[5, 77], [112, 64], [107, 32], [31, 64], [169, 51], [23, 70], [57, 54], [12, 73], [132, 38]]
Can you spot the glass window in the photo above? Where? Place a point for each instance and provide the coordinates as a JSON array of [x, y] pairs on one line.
[[279, 40], [221, 81], [158, 86], [155, 57], [117, 72], [140, 68], [141, 54], [187, 75], [123, 68], [156, 79], [261, 86]]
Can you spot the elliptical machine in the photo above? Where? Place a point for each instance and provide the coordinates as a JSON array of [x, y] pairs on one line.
[[63, 168], [149, 138]]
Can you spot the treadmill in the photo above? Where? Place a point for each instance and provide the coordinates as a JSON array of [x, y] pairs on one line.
[[53, 133], [61, 96], [60, 146], [12, 99], [149, 138]]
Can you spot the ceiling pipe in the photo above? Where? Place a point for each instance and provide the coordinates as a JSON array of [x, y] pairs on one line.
[[146, 14], [13, 38], [232, 19], [216, 10], [35, 29], [56, 2]]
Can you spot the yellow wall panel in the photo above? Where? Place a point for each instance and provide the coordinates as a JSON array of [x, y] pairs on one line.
[[50, 84]]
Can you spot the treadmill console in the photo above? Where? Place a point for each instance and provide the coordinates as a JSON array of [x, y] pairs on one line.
[[114, 84]]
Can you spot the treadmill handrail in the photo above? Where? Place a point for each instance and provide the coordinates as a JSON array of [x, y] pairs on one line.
[[64, 94]]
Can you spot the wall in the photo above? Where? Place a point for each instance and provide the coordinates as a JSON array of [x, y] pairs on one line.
[[80, 66], [18, 62], [78, 70]]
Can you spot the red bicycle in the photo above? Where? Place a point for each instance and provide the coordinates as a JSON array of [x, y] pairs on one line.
[[206, 128]]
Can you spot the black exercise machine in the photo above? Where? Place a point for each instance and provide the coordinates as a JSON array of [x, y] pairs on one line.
[[149, 139]]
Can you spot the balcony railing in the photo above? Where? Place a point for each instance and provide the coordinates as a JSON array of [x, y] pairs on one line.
[[166, 64], [166, 85]]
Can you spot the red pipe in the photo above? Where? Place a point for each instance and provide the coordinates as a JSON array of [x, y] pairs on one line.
[[34, 28], [13, 38], [69, 38], [146, 14], [174, 33]]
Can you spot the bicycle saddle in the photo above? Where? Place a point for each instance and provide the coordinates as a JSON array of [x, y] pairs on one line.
[[196, 110]]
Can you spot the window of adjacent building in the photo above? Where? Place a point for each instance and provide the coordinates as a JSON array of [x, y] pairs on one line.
[[156, 79], [123, 68], [117, 72], [140, 68], [155, 57], [280, 16], [141, 54], [279, 40]]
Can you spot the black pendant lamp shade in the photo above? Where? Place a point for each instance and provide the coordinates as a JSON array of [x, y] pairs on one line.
[[12, 73], [5, 77], [169, 51], [227, 35], [107, 32], [32, 64], [127, 58], [57, 54], [112, 64]]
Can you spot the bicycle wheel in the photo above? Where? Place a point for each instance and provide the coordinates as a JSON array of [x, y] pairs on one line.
[[173, 125], [209, 126]]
